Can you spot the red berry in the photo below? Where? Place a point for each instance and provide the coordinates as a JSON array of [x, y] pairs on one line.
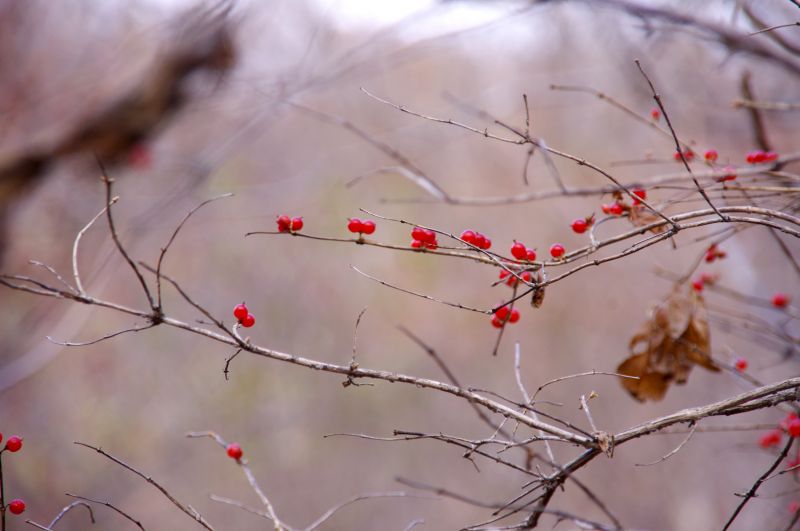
[[514, 317], [794, 428], [502, 313], [234, 451], [655, 114], [284, 222], [754, 157], [615, 209], [418, 233], [297, 224], [770, 156], [641, 193], [487, 243], [606, 208], [729, 174], [784, 424], [240, 311], [416, 244], [519, 251], [697, 285], [530, 255], [14, 443], [711, 155], [355, 225], [248, 320], [468, 236], [479, 241], [368, 227], [556, 250], [579, 226], [16, 506], [771, 438], [526, 276], [741, 365], [780, 300], [503, 274], [1, 436], [423, 235], [497, 323]]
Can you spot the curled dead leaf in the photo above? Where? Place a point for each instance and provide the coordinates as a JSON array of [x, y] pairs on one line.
[[639, 216], [675, 338]]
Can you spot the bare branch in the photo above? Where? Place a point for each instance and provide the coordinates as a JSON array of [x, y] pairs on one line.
[[110, 506]]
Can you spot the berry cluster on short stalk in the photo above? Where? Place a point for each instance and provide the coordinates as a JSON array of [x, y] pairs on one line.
[[512, 280], [477, 239], [790, 425], [688, 154], [756, 157], [243, 315], [522, 253], [287, 224], [503, 315], [360, 227], [714, 253], [423, 239], [13, 444]]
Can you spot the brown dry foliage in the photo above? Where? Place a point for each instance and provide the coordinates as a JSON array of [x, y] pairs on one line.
[[675, 338]]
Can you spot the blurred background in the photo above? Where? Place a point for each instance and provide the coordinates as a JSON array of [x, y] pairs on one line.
[[186, 102]]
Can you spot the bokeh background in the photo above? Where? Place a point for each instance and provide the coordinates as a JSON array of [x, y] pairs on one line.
[[137, 395]]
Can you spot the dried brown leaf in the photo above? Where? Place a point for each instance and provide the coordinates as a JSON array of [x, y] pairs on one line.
[[669, 344]]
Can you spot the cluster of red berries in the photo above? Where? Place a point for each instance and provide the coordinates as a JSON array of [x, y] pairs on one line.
[[243, 315], [581, 225], [714, 253], [520, 252], [688, 154], [511, 280], [619, 207], [728, 174], [755, 157], [13, 444], [790, 424], [234, 451], [477, 239], [504, 315], [702, 280], [423, 239], [287, 224], [356, 225], [780, 300]]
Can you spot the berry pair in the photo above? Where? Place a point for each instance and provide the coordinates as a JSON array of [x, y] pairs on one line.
[[688, 154], [614, 209], [423, 239], [756, 157], [713, 253], [358, 226], [511, 280], [477, 239], [243, 315], [287, 224], [520, 252]]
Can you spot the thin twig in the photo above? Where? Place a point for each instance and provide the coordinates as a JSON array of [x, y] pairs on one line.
[[674, 451], [172, 239], [194, 515], [103, 338], [110, 506], [75, 270], [758, 482]]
